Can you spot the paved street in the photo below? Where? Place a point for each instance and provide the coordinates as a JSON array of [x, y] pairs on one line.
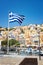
[[16, 60]]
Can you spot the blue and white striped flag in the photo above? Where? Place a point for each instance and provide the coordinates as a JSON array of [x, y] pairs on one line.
[[15, 17]]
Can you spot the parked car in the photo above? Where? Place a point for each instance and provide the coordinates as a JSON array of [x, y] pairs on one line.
[[37, 52], [28, 51], [22, 52]]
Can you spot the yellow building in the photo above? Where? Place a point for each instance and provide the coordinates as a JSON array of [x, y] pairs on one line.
[[41, 38]]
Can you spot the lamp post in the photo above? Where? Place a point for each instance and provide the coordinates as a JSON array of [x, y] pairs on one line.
[[38, 31]]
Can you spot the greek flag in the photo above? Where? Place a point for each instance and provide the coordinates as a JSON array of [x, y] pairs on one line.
[[13, 17]]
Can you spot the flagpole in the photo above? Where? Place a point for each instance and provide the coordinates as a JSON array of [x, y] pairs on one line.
[[8, 37], [19, 20]]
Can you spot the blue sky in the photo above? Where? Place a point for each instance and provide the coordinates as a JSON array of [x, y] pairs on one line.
[[31, 9]]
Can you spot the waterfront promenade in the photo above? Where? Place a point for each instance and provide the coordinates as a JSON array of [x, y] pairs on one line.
[[15, 60]]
